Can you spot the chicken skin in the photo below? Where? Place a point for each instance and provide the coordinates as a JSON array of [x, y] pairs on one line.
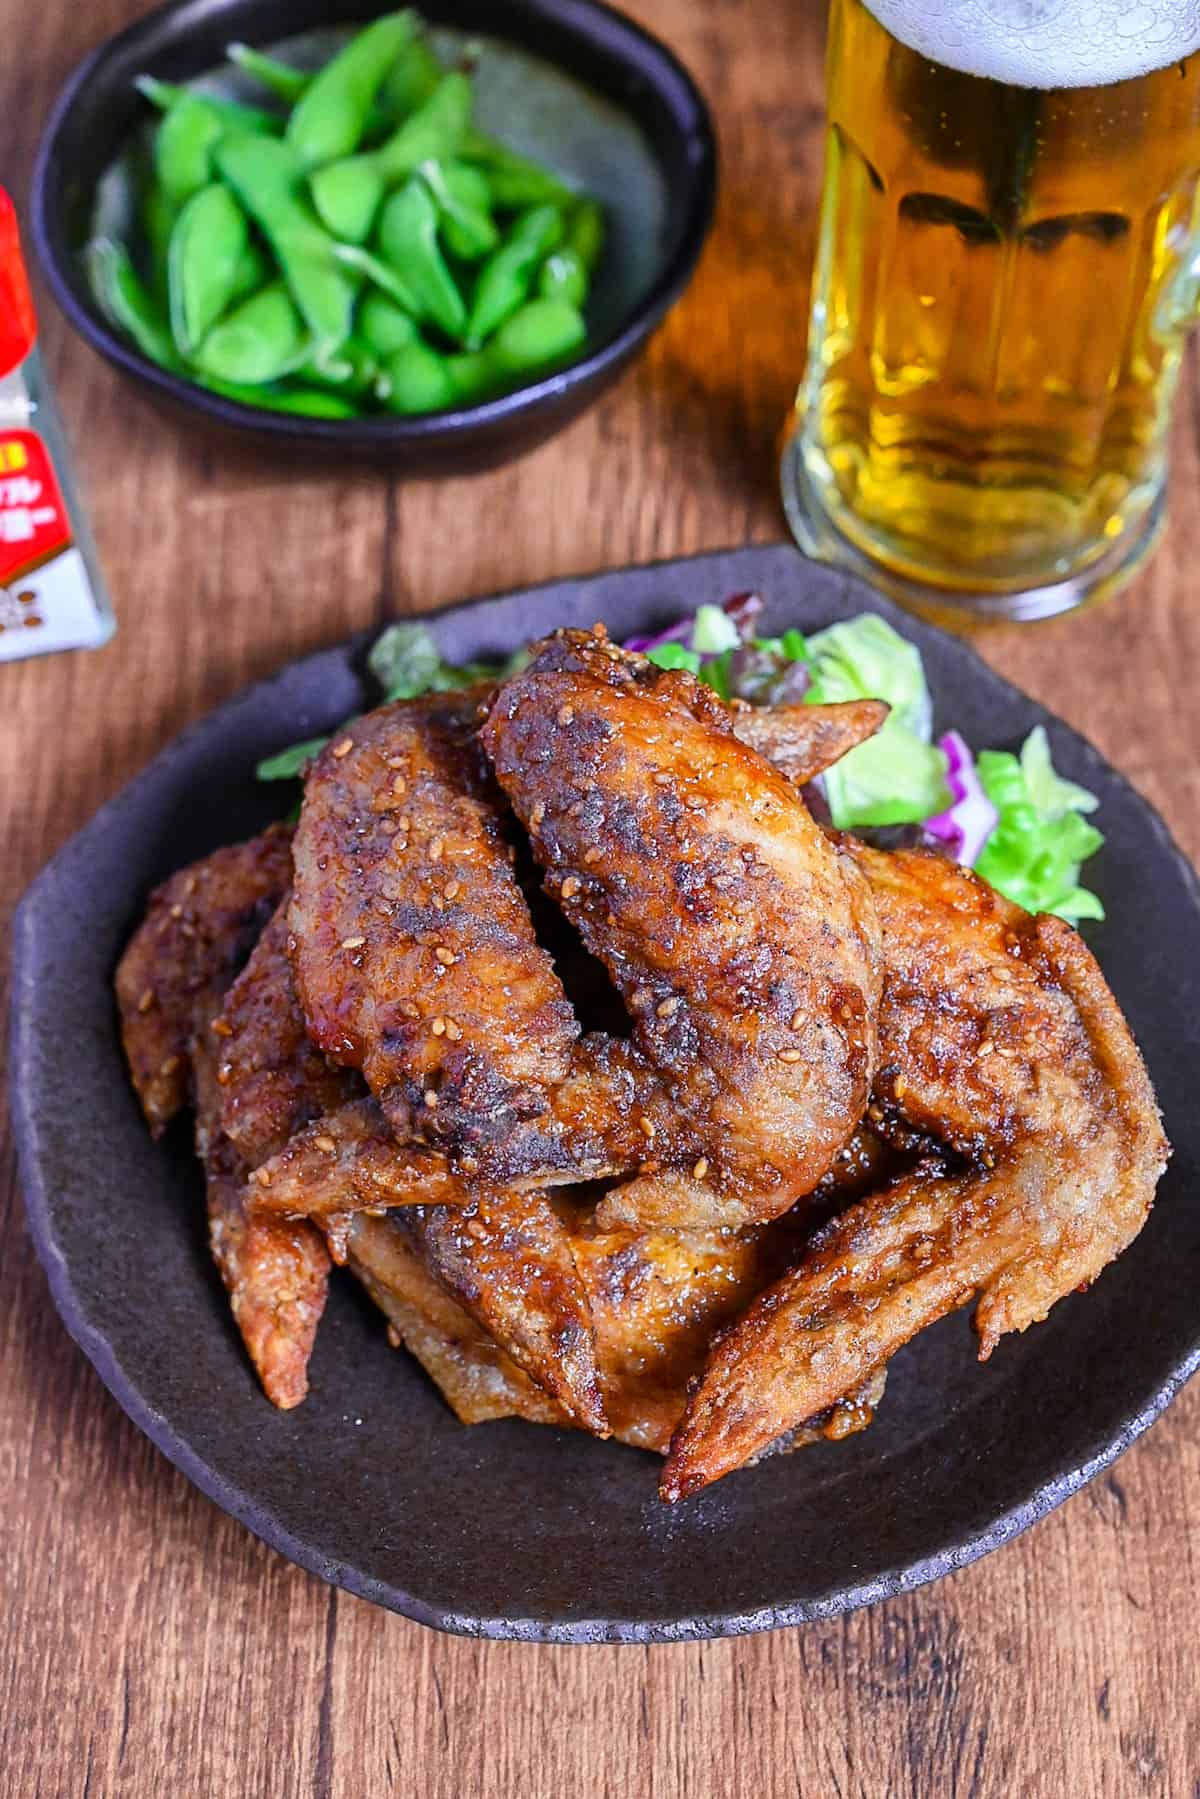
[[744, 945], [1000, 1039], [199, 930]]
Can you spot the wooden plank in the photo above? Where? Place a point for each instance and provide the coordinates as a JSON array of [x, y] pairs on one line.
[[151, 1644]]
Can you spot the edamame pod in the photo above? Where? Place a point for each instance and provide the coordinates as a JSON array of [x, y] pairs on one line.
[[384, 326], [236, 117], [508, 274], [265, 175], [203, 263], [311, 402], [348, 193], [281, 78], [563, 277], [585, 232], [408, 243], [329, 118], [468, 227], [539, 336], [411, 79], [419, 380], [119, 293], [257, 342], [514, 180]]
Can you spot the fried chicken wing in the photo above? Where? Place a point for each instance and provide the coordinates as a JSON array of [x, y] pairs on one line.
[[200, 929], [415, 955], [477, 1380], [273, 1079], [744, 947], [999, 1036], [803, 741]]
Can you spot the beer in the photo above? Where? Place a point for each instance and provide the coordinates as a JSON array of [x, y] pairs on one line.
[[1008, 260]]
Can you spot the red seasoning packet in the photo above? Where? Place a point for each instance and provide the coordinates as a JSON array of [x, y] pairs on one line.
[[52, 596]]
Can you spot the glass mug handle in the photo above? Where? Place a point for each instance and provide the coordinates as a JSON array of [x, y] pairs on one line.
[[1178, 305]]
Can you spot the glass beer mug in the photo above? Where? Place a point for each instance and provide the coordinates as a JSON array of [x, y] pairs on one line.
[[1009, 259]]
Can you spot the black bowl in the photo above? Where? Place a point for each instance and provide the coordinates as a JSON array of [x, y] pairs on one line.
[[516, 1530], [654, 167]]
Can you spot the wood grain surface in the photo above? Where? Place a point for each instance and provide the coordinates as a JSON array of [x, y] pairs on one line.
[[150, 1644]]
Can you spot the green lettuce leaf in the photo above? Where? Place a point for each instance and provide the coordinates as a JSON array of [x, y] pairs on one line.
[[1041, 839], [897, 776]]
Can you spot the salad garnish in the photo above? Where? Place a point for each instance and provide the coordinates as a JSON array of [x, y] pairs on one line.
[[1011, 817]]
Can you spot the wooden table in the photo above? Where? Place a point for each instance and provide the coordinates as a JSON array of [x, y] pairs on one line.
[[151, 1644]]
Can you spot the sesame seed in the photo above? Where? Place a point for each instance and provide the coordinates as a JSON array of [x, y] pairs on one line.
[[452, 889], [453, 1031], [646, 1127], [571, 886], [397, 761], [224, 1074], [383, 906], [662, 780], [665, 1007], [790, 1055], [147, 1000], [169, 1066], [409, 1010], [176, 911], [476, 1230], [221, 1027], [431, 1099], [700, 1169], [436, 848], [438, 1027], [566, 715], [189, 886], [445, 956], [468, 1164], [263, 1176], [353, 942], [343, 748], [536, 816], [326, 1145], [593, 853], [799, 1020], [399, 784]]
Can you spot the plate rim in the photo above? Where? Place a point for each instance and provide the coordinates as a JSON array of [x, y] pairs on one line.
[[256, 1515]]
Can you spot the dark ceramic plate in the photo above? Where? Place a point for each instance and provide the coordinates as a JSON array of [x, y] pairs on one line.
[[509, 1529]]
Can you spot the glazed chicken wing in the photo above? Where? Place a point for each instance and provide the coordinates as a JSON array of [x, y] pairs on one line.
[[998, 1036], [198, 931], [415, 956], [744, 947]]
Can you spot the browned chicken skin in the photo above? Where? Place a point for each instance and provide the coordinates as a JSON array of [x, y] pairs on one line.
[[414, 952], [744, 946], [999, 1036], [199, 929]]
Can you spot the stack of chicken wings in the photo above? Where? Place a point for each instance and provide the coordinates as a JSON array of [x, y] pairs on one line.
[[638, 1101]]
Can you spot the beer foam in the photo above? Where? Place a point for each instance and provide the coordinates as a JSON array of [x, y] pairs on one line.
[[1046, 43]]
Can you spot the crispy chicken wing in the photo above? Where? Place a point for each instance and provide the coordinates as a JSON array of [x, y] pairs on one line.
[[998, 1036], [200, 928], [803, 741], [415, 956], [273, 1079], [745, 948]]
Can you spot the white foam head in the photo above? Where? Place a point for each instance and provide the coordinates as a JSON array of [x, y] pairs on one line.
[[1046, 43]]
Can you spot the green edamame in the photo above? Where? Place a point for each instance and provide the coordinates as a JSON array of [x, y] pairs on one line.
[[123, 298], [473, 375], [282, 79], [392, 282], [183, 148], [329, 118], [563, 277], [348, 193], [538, 336], [408, 243], [265, 176], [468, 227], [508, 274], [384, 326], [253, 271], [311, 402], [418, 380], [411, 79], [236, 117], [204, 259], [514, 180], [352, 372], [257, 342], [585, 233]]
